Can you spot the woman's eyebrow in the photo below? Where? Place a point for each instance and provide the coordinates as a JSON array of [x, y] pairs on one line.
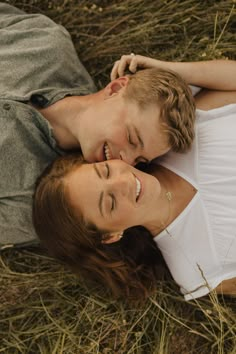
[[100, 203], [97, 171]]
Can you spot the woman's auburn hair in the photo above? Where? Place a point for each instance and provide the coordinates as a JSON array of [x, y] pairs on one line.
[[171, 92], [130, 268]]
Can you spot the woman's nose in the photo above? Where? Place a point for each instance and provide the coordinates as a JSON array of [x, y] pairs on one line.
[[120, 184]]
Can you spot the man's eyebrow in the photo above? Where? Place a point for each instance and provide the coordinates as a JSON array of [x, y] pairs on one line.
[[141, 143], [139, 137], [100, 203]]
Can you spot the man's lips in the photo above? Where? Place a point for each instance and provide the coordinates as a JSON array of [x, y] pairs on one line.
[[100, 157], [107, 152]]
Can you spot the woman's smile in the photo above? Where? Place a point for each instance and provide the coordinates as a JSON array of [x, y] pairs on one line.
[[138, 188]]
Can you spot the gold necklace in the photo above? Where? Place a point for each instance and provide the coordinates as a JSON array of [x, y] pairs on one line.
[[169, 196]]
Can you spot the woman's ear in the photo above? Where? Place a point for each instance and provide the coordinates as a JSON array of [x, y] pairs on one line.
[[112, 237]]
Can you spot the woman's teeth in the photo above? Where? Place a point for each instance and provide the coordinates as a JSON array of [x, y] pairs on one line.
[[138, 188], [107, 152]]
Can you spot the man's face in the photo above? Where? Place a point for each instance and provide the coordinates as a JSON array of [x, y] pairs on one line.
[[116, 128]]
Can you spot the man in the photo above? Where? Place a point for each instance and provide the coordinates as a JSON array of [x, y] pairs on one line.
[[48, 105]]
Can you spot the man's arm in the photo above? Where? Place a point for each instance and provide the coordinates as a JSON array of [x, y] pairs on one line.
[[212, 74]]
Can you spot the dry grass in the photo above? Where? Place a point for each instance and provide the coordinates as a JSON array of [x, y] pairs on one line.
[[44, 308], [167, 29]]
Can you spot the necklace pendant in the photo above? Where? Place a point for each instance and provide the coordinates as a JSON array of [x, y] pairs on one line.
[[169, 196]]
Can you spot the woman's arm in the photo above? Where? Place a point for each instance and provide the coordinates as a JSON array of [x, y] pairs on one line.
[[227, 287], [212, 74]]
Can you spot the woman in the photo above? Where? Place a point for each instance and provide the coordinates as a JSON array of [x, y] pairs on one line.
[[86, 215]]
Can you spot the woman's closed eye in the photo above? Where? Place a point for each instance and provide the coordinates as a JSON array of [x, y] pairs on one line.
[[113, 202], [112, 199], [107, 170]]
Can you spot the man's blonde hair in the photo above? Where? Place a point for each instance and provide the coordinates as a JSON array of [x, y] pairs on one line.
[[171, 92]]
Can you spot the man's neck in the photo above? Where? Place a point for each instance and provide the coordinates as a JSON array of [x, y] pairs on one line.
[[64, 117]]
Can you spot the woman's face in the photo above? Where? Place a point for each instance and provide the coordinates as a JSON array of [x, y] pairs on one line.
[[113, 195]]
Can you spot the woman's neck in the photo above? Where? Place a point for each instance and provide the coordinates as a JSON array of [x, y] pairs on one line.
[[176, 193]]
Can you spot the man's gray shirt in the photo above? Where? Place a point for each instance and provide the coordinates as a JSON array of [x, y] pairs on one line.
[[38, 65]]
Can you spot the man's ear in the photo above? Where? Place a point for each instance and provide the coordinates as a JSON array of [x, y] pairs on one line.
[[115, 86], [112, 237]]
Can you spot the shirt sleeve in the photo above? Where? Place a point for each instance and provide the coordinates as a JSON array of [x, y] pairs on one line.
[[6, 11], [37, 56], [202, 290], [195, 89]]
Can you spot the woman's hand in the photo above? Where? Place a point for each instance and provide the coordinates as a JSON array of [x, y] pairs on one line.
[[132, 62]]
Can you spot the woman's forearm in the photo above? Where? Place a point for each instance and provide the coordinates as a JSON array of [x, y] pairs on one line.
[[214, 74], [211, 74]]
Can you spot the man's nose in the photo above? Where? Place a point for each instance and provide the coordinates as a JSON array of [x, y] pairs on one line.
[[128, 157]]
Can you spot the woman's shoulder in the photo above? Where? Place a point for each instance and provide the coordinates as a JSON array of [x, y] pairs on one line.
[[210, 99]]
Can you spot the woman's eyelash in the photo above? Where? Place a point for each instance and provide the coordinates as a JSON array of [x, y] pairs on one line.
[[113, 202], [108, 170]]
